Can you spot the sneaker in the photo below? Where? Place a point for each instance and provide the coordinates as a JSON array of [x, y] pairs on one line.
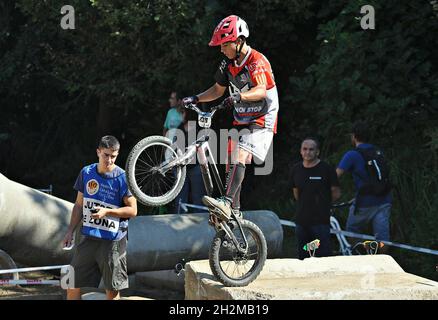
[[221, 207]]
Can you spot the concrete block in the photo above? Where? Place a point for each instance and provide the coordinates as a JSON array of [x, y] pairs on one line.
[[332, 278]]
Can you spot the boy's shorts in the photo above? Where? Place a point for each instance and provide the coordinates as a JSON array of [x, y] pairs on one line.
[[257, 142], [95, 259]]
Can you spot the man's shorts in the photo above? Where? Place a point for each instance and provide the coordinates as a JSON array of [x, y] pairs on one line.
[[257, 142], [95, 259]]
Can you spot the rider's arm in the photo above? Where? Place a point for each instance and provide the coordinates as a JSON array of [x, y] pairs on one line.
[[256, 93], [212, 93], [339, 172]]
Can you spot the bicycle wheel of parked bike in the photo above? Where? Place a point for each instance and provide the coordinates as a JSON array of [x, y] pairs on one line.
[[147, 182], [231, 267]]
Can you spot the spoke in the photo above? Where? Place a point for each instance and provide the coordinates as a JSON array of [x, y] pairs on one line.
[[166, 185], [159, 188], [153, 188], [236, 267], [141, 172], [140, 183], [146, 173], [143, 161], [249, 267], [226, 271], [149, 156], [155, 153], [169, 178], [146, 184]]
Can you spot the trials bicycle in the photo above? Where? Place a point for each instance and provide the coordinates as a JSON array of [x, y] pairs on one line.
[[156, 170]]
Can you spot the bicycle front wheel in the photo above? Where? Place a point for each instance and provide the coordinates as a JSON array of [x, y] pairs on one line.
[[231, 267], [147, 183]]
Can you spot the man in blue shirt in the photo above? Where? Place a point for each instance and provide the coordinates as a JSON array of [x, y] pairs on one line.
[[367, 208]]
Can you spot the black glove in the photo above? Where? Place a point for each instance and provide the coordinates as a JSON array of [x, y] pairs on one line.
[[232, 100], [190, 100]]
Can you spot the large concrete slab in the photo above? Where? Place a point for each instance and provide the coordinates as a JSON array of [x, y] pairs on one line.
[[372, 277]]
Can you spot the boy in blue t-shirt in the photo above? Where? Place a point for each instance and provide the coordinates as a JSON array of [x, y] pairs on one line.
[[104, 204]]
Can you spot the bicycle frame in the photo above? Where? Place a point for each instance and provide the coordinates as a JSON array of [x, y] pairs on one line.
[[202, 149], [204, 152]]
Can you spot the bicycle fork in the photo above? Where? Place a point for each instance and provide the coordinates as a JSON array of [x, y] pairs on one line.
[[241, 247]]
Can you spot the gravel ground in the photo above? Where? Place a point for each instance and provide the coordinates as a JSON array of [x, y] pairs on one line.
[[49, 292], [27, 291]]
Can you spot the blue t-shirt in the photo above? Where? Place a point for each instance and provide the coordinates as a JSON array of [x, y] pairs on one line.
[[104, 190], [354, 163]]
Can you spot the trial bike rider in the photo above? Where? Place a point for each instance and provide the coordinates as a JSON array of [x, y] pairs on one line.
[[252, 96]]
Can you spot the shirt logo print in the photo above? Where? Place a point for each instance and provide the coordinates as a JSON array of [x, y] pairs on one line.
[[92, 187]]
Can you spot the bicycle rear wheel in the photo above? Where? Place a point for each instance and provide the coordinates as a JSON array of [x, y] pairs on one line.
[[231, 267], [150, 186]]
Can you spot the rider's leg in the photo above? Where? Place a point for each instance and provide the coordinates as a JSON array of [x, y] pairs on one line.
[[236, 200], [235, 175], [234, 180]]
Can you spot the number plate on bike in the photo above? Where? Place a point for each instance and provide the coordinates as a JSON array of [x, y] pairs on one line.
[[204, 120]]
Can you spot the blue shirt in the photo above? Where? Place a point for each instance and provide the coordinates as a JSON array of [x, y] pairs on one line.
[[104, 190], [173, 119], [353, 162]]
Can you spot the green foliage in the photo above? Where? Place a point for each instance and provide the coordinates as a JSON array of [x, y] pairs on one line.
[[388, 77]]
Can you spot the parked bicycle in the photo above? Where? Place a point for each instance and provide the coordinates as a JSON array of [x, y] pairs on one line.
[[156, 170], [369, 247]]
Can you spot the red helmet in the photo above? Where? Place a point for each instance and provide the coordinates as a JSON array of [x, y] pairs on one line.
[[229, 29]]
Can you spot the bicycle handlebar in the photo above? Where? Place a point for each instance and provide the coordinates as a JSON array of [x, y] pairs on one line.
[[212, 111]]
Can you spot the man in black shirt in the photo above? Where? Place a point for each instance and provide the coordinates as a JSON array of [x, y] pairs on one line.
[[315, 186]]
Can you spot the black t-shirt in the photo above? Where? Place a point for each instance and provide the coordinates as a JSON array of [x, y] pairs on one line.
[[314, 192]]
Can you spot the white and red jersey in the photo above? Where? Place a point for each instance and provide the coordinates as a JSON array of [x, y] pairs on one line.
[[255, 69]]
